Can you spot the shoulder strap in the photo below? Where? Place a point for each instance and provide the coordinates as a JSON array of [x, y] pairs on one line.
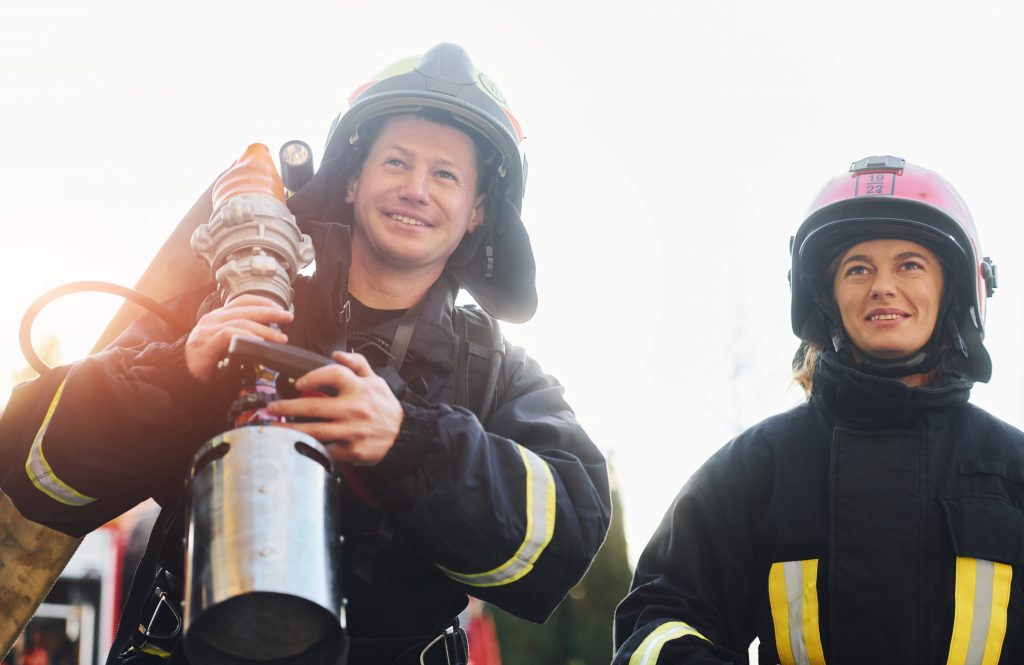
[[481, 352], [145, 602]]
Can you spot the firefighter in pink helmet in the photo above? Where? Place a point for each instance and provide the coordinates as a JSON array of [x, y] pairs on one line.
[[881, 520]]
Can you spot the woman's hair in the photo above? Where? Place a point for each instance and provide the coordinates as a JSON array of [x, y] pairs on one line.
[[804, 362]]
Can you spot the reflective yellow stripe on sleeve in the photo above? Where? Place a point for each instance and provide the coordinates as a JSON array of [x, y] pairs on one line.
[[979, 622], [540, 527], [793, 596], [648, 650], [39, 471]]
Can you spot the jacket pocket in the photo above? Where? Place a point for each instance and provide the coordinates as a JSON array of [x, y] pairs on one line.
[[985, 527], [988, 537]]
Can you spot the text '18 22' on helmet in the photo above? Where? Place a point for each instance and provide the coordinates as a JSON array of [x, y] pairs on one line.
[[495, 263], [885, 197]]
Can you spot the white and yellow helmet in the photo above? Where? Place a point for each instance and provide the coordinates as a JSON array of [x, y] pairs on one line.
[[496, 266]]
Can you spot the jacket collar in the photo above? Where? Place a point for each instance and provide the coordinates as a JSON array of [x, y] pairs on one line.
[[864, 401], [433, 350], [434, 344]]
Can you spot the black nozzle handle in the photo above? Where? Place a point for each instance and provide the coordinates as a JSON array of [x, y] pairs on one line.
[[288, 360]]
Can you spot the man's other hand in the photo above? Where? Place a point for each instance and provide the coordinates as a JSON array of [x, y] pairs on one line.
[[361, 423]]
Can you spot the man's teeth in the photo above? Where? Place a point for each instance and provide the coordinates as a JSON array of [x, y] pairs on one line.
[[886, 317], [407, 220]]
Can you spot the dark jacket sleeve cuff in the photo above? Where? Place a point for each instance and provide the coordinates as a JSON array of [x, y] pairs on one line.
[[177, 381], [417, 436]]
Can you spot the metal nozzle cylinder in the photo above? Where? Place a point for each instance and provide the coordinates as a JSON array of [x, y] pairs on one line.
[[263, 567]]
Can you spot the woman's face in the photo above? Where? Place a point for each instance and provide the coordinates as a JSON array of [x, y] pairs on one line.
[[888, 293]]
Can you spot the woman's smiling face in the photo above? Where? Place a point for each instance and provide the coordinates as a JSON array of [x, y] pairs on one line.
[[889, 293]]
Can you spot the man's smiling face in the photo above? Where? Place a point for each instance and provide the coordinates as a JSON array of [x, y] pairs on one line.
[[415, 197]]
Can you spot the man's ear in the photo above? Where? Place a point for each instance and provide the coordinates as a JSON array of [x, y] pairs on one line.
[[479, 210], [350, 189]]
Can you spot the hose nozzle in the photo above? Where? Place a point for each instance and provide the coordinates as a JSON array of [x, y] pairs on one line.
[[252, 242]]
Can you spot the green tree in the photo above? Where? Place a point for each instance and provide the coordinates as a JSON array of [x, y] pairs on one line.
[[580, 630]]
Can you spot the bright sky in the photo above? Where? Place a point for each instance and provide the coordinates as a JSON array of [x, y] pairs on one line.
[[673, 148]]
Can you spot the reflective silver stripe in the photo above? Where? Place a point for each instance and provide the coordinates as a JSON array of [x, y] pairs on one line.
[[648, 651], [794, 597], [39, 471], [982, 611], [540, 527], [979, 624]]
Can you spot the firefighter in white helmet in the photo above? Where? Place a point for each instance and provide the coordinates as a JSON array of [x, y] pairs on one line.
[[454, 485]]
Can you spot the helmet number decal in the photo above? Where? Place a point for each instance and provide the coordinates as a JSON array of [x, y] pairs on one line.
[[875, 184]]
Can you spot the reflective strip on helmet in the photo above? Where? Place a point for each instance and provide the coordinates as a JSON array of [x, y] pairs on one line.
[[403, 66], [515, 123], [649, 650], [39, 471], [979, 624], [540, 527], [793, 594]]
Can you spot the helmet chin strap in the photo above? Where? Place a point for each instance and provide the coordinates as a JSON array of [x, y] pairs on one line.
[[921, 362], [933, 354]]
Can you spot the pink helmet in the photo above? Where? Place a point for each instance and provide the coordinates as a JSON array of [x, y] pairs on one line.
[[885, 197]]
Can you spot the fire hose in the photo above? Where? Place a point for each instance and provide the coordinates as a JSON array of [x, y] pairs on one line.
[[262, 562]]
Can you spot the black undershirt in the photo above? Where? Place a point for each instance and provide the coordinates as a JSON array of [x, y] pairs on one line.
[[365, 318]]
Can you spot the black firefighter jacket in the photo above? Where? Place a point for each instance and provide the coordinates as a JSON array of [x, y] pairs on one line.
[[512, 513], [874, 524]]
